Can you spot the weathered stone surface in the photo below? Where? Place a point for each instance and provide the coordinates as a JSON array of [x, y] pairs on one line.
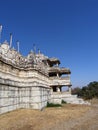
[[26, 82]]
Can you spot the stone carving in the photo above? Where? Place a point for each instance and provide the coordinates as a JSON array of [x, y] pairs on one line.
[[12, 56]]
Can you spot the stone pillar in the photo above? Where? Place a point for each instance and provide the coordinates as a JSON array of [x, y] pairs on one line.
[[69, 89], [57, 74], [57, 64], [51, 89], [58, 89]]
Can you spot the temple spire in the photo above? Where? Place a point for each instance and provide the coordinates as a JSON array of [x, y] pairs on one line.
[[0, 32], [10, 40], [39, 51], [34, 48], [18, 46]]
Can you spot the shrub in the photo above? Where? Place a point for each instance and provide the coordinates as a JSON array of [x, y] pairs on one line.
[[53, 105], [64, 102]]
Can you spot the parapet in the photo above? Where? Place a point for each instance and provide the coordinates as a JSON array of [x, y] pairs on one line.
[[14, 58]]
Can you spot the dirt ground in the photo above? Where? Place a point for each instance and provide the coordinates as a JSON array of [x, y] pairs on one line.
[[68, 117]]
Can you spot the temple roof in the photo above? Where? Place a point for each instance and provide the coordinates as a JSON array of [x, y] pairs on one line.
[[32, 60], [53, 61], [13, 57]]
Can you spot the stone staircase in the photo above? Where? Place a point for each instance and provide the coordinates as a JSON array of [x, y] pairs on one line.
[[68, 98], [73, 99]]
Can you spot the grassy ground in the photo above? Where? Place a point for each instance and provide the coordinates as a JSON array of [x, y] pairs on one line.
[[68, 117]]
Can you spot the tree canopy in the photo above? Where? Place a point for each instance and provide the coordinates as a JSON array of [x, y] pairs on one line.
[[87, 92]]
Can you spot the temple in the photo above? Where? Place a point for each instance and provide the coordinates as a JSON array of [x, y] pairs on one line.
[[31, 81]]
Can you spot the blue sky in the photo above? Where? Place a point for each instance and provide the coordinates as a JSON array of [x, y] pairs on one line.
[[67, 29]]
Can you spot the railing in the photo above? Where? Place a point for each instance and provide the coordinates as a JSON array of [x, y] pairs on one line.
[[58, 68], [60, 78], [60, 81]]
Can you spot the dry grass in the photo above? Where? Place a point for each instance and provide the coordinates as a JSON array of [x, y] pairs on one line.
[[68, 117]]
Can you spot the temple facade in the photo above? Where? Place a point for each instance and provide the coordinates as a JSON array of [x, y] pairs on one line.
[[31, 81]]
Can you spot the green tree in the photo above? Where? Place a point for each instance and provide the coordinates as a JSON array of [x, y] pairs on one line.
[[76, 90], [87, 92]]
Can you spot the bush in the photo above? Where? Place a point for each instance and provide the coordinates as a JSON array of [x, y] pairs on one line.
[[53, 105], [64, 102]]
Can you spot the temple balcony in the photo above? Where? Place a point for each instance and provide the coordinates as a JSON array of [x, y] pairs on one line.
[[60, 81], [53, 70]]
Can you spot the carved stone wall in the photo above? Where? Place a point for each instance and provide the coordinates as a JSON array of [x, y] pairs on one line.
[[22, 88], [14, 97]]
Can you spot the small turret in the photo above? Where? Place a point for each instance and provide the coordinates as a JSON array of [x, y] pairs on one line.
[[18, 46], [10, 40], [0, 32]]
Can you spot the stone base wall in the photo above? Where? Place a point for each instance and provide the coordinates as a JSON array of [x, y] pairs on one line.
[[21, 88], [56, 98], [12, 98]]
